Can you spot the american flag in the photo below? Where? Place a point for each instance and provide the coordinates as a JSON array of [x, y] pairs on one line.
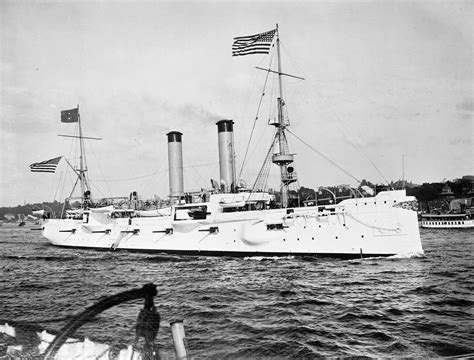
[[46, 166], [253, 44]]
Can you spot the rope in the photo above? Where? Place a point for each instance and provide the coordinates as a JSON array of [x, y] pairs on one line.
[[262, 177], [372, 226], [256, 118], [152, 174], [324, 156], [309, 215], [58, 185], [101, 171], [195, 166], [352, 141], [132, 178], [150, 324]]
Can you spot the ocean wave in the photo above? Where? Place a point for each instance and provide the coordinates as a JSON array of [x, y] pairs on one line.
[[268, 258], [257, 307]]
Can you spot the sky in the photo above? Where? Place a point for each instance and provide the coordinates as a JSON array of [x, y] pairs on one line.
[[384, 80]]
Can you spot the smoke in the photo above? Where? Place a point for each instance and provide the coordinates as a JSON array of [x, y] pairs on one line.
[[193, 113], [466, 105]]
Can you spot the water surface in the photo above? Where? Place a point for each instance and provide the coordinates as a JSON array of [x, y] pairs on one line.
[[256, 307]]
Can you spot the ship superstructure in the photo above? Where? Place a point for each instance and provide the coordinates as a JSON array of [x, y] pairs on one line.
[[232, 220]]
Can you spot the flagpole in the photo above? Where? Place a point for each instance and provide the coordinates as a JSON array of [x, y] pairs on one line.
[[280, 104], [83, 163], [81, 160], [283, 158], [281, 129]]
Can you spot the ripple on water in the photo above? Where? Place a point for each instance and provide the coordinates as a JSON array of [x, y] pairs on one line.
[[256, 307]]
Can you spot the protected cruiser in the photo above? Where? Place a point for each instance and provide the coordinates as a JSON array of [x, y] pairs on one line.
[[232, 220]]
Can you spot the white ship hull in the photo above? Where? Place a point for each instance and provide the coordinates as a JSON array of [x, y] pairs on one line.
[[376, 226]]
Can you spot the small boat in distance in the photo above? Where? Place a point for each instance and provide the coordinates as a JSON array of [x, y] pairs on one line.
[[447, 221], [452, 214]]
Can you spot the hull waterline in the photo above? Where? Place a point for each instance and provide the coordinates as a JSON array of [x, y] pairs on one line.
[[354, 228]]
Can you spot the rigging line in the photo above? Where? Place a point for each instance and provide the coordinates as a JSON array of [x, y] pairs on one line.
[[299, 81], [155, 173], [101, 171], [265, 129], [258, 142], [242, 110], [132, 178], [324, 156], [271, 114], [293, 60], [57, 186], [201, 165], [62, 194], [262, 176], [98, 190], [201, 176], [352, 141], [197, 178], [157, 181], [256, 117]]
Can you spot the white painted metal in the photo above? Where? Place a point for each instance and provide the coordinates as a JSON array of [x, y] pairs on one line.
[[372, 226], [226, 154], [177, 330], [175, 164]]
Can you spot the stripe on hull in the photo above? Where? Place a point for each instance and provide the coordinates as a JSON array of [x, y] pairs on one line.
[[233, 253]]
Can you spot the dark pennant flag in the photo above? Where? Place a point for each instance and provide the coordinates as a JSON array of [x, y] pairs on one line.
[[70, 116], [46, 166], [253, 44]]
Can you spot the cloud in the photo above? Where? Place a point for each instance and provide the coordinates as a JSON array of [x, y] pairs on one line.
[[466, 105], [465, 116], [24, 111], [461, 141]]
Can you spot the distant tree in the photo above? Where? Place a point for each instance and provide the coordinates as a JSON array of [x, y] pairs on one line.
[[427, 191], [306, 193]]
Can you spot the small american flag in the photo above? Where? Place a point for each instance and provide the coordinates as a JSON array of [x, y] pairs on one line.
[[253, 44], [46, 166]]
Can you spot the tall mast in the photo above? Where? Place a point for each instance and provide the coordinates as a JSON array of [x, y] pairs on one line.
[[283, 158], [82, 158], [81, 172], [280, 97]]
